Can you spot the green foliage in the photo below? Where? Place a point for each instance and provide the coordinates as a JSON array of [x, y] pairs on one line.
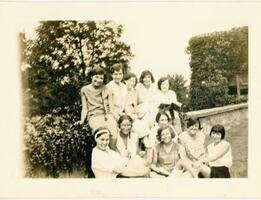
[[61, 56], [178, 84], [214, 59], [53, 144]]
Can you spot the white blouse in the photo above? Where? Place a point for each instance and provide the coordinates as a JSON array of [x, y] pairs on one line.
[[215, 150], [119, 94], [105, 162]]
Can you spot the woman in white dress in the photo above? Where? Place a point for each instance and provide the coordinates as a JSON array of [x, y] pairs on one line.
[[106, 163], [147, 101], [128, 146]]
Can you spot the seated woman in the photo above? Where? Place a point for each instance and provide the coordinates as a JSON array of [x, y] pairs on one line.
[[217, 162], [163, 120], [166, 100], [147, 101], [131, 107], [139, 126], [128, 146], [191, 149], [166, 153], [107, 163]]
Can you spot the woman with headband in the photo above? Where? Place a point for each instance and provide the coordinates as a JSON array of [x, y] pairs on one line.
[[106, 163]]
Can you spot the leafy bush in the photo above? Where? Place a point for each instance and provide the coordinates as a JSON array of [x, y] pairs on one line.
[[234, 99], [53, 144], [215, 58], [210, 93]]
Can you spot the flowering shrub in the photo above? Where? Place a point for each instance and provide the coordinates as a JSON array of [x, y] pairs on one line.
[[54, 144]]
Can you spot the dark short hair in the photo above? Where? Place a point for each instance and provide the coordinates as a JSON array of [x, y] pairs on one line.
[[124, 117], [159, 114], [172, 133], [97, 71], [191, 121], [116, 67], [218, 128], [130, 75], [161, 80], [145, 73]]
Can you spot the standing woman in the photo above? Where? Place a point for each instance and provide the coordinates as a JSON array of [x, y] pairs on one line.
[[165, 154], [167, 97], [147, 102]]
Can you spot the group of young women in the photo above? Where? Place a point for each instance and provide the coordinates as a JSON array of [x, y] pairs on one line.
[[138, 132]]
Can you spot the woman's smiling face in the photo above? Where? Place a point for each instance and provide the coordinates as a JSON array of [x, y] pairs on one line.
[[97, 80], [193, 129], [103, 141], [147, 80], [164, 87], [216, 137], [130, 83], [166, 136], [163, 121], [125, 127]]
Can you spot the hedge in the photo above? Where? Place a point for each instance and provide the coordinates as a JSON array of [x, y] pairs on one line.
[[53, 144], [214, 59]]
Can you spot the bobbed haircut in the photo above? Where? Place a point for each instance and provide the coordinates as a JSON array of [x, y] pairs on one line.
[[169, 128], [130, 75], [145, 73], [161, 80], [116, 67], [97, 71], [159, 114], [220, 129], [124, 117]]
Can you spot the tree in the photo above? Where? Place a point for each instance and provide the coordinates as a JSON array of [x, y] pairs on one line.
[[61, 56], [214, 59], [178, 84]]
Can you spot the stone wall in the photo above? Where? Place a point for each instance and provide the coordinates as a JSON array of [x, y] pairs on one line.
[[228, 116]]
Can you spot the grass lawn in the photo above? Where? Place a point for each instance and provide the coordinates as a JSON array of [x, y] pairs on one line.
[[238, 138]]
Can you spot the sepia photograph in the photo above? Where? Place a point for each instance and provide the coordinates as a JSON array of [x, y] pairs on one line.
[[121, 99]]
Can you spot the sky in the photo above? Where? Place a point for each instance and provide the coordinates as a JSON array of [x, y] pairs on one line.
[[158, 33]]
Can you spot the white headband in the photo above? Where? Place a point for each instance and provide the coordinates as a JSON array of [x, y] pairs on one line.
[[101, 131]]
